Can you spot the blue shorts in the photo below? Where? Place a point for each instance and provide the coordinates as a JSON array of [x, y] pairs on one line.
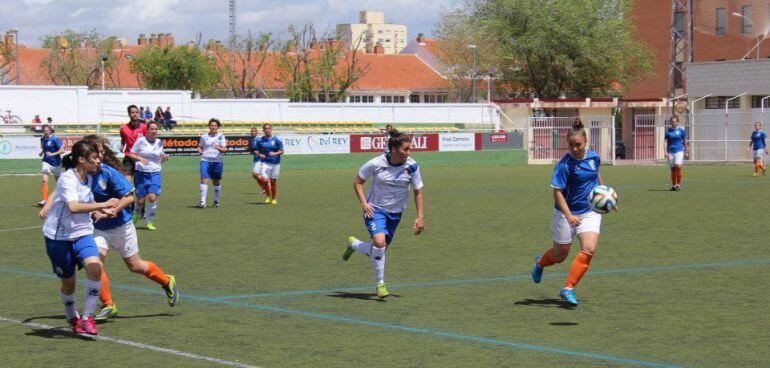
[[146, 182], [66, 255], [383, 223], [212, 170]]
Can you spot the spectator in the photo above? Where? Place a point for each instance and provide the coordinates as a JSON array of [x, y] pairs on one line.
[[36, 127], [167, 119], [141, 113], [49, 121], [147, 113], [159, 115]]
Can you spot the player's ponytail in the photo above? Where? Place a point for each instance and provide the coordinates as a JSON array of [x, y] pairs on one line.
[[397, 139], [577, 128], [108, 155], [80, 149]]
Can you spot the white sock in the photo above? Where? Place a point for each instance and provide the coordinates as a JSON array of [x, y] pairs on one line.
[[70, 305], [217, 189], [151, 208], [93, 288], [378, 262], [204, 191], [362, 247]]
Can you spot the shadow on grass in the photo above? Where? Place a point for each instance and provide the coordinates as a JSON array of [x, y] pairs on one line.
[[257, 203], [361, 296], [548, 302], [56, 333], [659, 190], [563, 324]]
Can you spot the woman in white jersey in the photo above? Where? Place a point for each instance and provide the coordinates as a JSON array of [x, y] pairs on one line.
[[392, 173], [68, 232], [149, 155], [212, 147]]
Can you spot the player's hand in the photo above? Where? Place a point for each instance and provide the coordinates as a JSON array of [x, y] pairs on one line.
[[110, 203], [164, 158], [262, 156], [368, 211], [43, 213], [686, 156], [97, 216], [418, 227], [40, 154], [271, 154], [573, 221], [143, 161]]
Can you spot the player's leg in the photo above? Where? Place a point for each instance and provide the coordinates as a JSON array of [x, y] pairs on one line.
[[216, 176], [43, 189], [129, 250], [107, 309], [204, 184], [87, 254], [561, 233], [379, 246], [588, 235], [679, 168], [63, 264]]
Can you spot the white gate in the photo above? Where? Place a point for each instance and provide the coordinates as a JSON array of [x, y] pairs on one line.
[[548, 137]]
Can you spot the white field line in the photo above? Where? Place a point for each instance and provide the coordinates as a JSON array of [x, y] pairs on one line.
[[133, 344], [21, 228]]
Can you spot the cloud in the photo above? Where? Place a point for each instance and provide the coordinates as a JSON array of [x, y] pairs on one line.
[[128, 18]]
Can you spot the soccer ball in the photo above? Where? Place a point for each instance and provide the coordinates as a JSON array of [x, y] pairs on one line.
[[603, 199]]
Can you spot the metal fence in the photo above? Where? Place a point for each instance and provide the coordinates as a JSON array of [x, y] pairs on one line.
[[548, 137], [711, 136]]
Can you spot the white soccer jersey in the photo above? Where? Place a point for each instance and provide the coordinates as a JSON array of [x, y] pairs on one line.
[[61, 224], [389, 190], [152, 152], [210, 153]]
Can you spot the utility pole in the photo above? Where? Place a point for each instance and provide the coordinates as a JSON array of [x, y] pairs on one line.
[[232, 24], [680, 53]]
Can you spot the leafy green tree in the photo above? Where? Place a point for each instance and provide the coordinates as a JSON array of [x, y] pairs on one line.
[[75, 58], [177, 67], [580, 48]]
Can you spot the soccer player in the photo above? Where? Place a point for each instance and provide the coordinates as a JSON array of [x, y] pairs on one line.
[[68, 232], [149, 155], [270, 149], [392, 174], [574, 177], [256, 168], [212, 147], [129, 133], [119, 232], [51, 150], [676, 148], [758, 146]]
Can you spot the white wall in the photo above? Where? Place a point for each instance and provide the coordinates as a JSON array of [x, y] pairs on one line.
[[80, 105]]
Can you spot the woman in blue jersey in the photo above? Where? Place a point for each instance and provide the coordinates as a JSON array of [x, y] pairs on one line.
[[118, 233], [676, 148], [270, 149], [212, 147], [68, 232], [392, 174], [256, 167], [574, 177], [51, 149], [148, 155], [758, 146]]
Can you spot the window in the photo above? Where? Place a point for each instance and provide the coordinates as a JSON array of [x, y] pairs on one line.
[[718, 102], [321, 97], [414, 98], [746, 26], [393, 99], [435, 98], [362, 99], [756, 102], [721, 21]]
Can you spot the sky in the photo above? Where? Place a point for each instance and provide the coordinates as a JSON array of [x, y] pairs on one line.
[[184, 18]]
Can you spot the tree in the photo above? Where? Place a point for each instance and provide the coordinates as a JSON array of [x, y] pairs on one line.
[[176, 67], [241, 65], [317, 71], [582, 48], [7, 57], [75, 58]]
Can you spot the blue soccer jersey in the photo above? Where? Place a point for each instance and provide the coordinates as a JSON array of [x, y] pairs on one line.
[[254, 147], [50, 145], [267, 145], [758, 140], [110, 183], [576, 179], [675, 138]]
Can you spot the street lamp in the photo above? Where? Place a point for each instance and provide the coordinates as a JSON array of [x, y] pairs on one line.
[[473, 72], [15, 33], [756, 34], [104, 58]]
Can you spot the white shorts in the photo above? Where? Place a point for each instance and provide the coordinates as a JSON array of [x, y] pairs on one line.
[[48, 169], [271, 171], [121, 239], [257, 167], [562, 232], [675, 159], [760, 153]]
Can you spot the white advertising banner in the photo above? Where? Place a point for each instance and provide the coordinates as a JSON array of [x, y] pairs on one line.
[[29, 147], [457, 142], [296, 144]]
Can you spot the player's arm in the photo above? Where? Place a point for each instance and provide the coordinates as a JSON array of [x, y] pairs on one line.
[[126, 201], [200, 146], [599, 177], [419, 226], [279, 151], [47, 205], [358, 186], [561, 202], [134, 154], [104, 207], [686, 151], [61, 149]]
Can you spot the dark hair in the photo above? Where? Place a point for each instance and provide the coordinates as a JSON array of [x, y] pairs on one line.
[[48, 126], [80, 149], [577, 128], [266, 124], [152, 122], [109, 156], [397, 139], [215, 120], [128, 109]]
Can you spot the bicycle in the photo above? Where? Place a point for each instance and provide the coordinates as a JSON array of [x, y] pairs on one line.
[[10, 119]]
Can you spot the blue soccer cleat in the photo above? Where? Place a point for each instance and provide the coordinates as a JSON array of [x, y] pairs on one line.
[[537, 271], [569, 296]]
